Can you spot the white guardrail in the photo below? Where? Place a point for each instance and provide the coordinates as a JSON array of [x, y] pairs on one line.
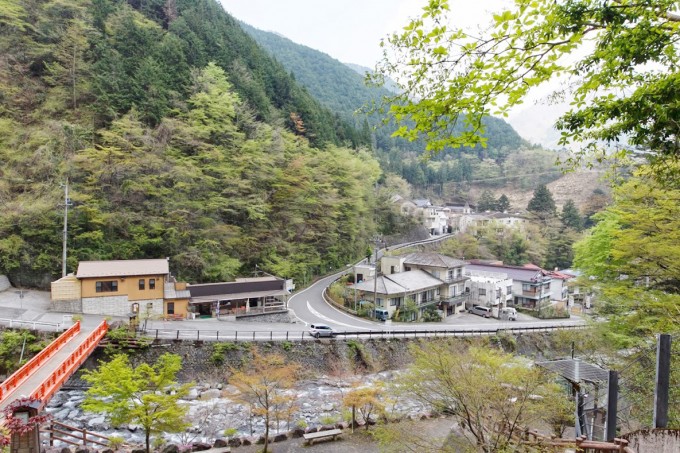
[[33, 325]]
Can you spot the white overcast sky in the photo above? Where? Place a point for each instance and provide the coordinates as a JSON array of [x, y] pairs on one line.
[[350, 31]]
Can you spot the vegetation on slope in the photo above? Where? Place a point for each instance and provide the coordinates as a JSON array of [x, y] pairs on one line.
[[165, 152]]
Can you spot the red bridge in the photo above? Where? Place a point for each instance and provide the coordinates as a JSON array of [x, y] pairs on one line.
[[43, 375]]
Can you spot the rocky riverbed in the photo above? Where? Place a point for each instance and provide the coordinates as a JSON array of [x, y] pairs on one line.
[[212, 410]]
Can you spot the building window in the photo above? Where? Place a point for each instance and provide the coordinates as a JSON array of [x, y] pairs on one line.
[[393, 301], [171, 308], [449, 275], [110, 286], [152, 283], [482, 292], [509, 291], [438, 292], [141, 284], [379, 302], [391, 269], [459, 272], [498, 293], [407, 268]]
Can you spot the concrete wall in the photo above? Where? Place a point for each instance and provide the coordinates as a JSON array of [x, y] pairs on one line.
[[4, 283], [654, 440]]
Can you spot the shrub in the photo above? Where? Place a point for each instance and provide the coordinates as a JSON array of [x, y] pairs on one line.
[[219, 349], [328, 419], [115, 442]]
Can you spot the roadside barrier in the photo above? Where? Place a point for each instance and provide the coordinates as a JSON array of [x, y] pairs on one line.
[[217, 335]]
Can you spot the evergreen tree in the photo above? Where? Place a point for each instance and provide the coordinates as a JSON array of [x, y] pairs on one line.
[[486, 202], [542, 203], [503, 204], [571, 218]]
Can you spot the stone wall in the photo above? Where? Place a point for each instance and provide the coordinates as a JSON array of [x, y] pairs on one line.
[[68, 306], [282, 317], [4, 283], [119, 306]]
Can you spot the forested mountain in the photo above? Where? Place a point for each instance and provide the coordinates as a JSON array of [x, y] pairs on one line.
[[179, 137], [341, 88]]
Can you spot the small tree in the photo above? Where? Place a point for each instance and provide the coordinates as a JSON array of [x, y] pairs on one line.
[[486, 202], [503, 204], [147, 395], [366, 400], [542, 203], [262, 386], [570, 217], [492, 395]]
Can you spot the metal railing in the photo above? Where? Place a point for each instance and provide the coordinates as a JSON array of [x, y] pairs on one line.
[[241, 335], [34, 325]]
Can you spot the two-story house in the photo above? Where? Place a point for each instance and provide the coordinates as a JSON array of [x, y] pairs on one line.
[[489, 289], [449, 271], [122, 287], [390, 292], [530, 287]]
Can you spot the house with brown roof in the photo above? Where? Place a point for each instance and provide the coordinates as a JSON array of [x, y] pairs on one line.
[[121, 287]]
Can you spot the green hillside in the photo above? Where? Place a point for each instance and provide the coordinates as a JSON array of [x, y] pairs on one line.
[[341, 88], [179, 137]]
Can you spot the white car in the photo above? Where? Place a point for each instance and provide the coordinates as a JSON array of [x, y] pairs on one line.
[[320, 330]]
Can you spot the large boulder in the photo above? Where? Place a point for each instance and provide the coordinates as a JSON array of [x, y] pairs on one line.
[[170, 448], [220, 443], [280, 437], [236, 442], [200, 446], [297, 433]]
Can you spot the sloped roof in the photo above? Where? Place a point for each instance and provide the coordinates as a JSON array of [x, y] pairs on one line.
[[122, 268], [515, 273], [432, 259], [402, 282], [567, 368], [422, 203]]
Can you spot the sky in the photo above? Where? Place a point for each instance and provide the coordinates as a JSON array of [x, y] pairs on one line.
[[350, 31]]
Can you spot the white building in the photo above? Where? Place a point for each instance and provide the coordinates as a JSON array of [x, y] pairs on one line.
[[489, 289]]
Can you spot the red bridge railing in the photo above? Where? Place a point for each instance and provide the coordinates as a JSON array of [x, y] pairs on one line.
[[18, 377], [56, 379]]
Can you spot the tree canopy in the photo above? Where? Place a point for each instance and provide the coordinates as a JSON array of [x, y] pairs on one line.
[[618, 62], [147, 395]]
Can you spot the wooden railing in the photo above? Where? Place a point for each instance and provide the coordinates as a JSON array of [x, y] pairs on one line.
[[26, 371], [71, 435], [55, 380]]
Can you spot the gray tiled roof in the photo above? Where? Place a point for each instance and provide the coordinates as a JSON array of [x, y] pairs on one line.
[[516, 273], [402, 282], [122, 268], [433, 259], [567, 369]]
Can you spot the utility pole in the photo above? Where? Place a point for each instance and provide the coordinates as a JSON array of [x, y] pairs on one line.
[[662, 381], [377, 240], [67, 203]]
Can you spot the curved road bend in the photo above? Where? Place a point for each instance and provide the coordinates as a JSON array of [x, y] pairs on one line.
[[310, 307]]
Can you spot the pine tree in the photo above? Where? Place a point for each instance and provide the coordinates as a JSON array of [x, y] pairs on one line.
[[486, 202], [571, 218], [542, 203], [503, 204]]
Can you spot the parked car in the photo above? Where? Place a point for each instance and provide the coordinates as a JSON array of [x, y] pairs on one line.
[[481, 311], [381, 314], [320, 330], [509, 313]]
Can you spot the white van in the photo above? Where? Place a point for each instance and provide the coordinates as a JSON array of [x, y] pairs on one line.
[[509, 313], [481, 311]]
